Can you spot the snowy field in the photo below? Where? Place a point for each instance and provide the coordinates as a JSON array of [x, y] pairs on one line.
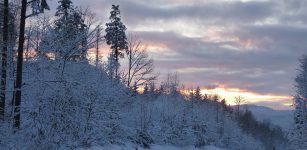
[[154, 147]]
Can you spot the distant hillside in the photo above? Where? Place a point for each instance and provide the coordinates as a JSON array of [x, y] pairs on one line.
[[282, 118]]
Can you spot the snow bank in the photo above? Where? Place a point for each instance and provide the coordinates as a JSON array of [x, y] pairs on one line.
[[154, 147]]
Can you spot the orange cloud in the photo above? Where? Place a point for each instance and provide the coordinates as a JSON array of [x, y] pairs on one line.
[[250, 97]]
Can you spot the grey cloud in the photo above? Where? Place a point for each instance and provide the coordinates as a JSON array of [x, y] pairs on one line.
[[136, 12], [210, 12]]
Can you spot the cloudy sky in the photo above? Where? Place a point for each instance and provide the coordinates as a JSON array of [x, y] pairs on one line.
[[237, 47]]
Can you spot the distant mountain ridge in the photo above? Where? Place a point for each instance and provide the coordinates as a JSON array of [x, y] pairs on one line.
[[282, 118]]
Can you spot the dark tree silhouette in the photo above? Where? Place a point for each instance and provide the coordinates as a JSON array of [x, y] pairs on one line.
[[116, 37], [4, 57]]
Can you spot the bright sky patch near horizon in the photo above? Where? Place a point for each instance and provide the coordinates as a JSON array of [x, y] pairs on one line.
[[252, 46]]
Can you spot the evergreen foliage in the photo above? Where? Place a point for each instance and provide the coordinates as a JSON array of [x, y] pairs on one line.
[[116, 37], [68, 38]]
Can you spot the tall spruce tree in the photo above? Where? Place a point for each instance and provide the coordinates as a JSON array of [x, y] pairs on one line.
[[299, 134], [116, 36], [38, 6]]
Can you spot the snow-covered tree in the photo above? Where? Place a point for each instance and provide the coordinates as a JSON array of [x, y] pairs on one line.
[[146, 89], [68, 38], [198, 95], [65, 8], [299, 133]]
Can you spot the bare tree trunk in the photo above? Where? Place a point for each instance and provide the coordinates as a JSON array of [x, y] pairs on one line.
[[28, 43], [238, 113], [116, 64], [97, 46], [18, 82], [4, 58], [129, 67]]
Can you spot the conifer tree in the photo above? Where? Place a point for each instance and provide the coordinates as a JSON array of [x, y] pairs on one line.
[[152, 88], [197, 94], [116, 36], [68, 38], [65, 8], [146, 89]]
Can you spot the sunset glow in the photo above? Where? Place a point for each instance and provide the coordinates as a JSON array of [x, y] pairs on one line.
[[250, 97], [154, 75]]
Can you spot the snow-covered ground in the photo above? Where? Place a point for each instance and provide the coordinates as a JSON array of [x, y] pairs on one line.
[[154, 147]]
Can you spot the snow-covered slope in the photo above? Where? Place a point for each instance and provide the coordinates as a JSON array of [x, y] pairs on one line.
[[282, 118], [154, 147], [78, 105]]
